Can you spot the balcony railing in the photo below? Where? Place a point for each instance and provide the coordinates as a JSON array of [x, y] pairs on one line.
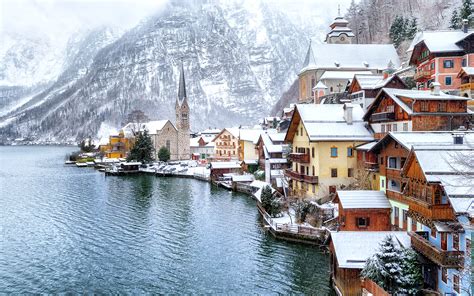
[[299, 157], [383, 116], [448, 259], [301, 177], [422, 75], [371, 167], [467, 86], [428, 210]]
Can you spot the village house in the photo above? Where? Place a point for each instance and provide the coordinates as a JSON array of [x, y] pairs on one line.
[[117, 146], [350, 250], [466, 74], [363, 210], [364, 88], [323, 139], [439, 55], [272, 156], [368, 166], [341, 60], [416, 110], [248, 139], [226, 145], [439, 191], [201, 148], [221, 169]]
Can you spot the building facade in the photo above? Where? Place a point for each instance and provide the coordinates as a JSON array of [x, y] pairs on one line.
[[182, 120]]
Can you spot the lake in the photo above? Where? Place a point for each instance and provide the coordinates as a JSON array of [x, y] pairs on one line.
[[65, 229]]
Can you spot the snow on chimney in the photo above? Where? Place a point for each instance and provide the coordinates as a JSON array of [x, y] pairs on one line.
[[458, 135], [348, 112], [465, 25], [435, 88]]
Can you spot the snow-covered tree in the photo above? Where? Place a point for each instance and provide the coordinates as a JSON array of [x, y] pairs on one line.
[[455, 22], [394, 269], [142, 149], [466, 10], [397, 31]]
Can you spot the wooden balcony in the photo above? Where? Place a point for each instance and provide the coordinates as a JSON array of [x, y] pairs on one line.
[[371, 167], [422, 75], [383, 116], [299, 157], [448, 259], [428, 210], [467, 86], [301, 177]]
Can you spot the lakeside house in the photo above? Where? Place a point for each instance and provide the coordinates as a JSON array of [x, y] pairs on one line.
[[226, 145], [272, 154], [323, 139], [363, 210], [416, 110], [201, 147]]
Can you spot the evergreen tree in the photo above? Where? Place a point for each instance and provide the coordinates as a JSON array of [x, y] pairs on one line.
[[411, 29], [455, 22], [412, 276], [466, 10], [164, 154], [397, 30], [142, 149], [269, 201]]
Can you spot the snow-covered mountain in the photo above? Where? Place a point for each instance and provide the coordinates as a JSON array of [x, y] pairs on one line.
[[238, 58]]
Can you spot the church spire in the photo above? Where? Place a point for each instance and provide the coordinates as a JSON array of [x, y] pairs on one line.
[[309, 59], [182, 86]]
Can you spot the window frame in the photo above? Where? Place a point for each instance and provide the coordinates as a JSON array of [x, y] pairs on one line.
[[450, 80], [333, 172], [448, 63], [334, 148], [351, 149]]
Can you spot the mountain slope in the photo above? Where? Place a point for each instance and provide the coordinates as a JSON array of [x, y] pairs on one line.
[[235, 71]]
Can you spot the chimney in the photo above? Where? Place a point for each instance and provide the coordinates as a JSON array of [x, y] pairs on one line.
[[458, 135], [348, 112], [435, 88], [465, 25]]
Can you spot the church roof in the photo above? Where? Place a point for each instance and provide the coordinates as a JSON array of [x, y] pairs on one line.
[[182, 87], [350, 57]]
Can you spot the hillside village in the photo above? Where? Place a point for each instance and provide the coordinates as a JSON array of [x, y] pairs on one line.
[[360, 157]]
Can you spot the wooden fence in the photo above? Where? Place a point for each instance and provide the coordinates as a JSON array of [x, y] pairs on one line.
[[373, 288]]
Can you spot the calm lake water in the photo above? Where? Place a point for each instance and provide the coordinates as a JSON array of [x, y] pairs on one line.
[[72, 230]]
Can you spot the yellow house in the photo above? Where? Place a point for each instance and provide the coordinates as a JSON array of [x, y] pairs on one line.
[[118, 146], [248, 139], [323, 139]]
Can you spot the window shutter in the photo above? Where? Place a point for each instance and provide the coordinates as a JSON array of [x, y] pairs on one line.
[[368, 221]]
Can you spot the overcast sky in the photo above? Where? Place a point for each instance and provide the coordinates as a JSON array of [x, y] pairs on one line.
[[65, 16]]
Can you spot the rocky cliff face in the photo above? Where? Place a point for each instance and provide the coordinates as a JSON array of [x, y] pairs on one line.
[[238, 59]]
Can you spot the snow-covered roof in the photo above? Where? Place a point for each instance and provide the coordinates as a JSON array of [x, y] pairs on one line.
[[440, 40], [103, 141], [320, 85], [250, 135], [269, 146], [194, 142], [421, 94], [131, 163], [278, 160], [363, 199], [441, 139], [225, 165], [277, 137], [353, 248], [209, 131], [325, 122], [341, 75], [468, 70], [251, 161], [151, 126], [366, 147], [463, 205], [350, 57], [243, 178], [372, 81]]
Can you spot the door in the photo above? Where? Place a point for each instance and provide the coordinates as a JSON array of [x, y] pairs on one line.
[[444, 240]]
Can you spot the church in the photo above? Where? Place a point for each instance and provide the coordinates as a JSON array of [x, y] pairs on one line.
[[328, 67]]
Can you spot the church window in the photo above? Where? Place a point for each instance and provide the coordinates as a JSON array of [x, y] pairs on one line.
[[168, 145]]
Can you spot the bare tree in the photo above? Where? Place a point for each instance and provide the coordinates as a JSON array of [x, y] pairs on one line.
[[136, 118]]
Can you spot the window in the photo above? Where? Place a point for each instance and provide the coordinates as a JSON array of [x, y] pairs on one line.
[[432, 66], [297, 132], [463, 63], [448, 80], [333, 173], [333, 151], [405, 127], [392, 163], [389, 128], [313, 188], [456, 282], [396, 214], [301, 132], [424, 106], [314, 171], [362, 222], [433, 232], [383, 128], [395, 128], [456, 241], [402, 162], [350, 152], [168, 145], [444, 275], [448, 63], [458, 140], [312, 152], [350, 172], [405, 216], [442, 107]]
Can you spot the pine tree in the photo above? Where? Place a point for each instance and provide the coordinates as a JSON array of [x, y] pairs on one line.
[[412, 276], [143, 149], [466, 10], [164, 154], [397, 30], [455, 22], [411, 29]]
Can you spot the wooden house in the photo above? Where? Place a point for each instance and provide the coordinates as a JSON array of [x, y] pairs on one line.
[[272, 156], [220, 168], [363, 210], [226, 145], [416, 110]]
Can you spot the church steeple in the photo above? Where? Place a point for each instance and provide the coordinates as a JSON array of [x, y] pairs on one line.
[[340, 32], [182, 86]]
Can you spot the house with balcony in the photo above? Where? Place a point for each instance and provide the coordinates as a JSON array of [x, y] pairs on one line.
[[323, 138], [439, 191], [416, 110], [273, 156], [364, 88], [226, 145], [467, 85], [363, 210], [439, 55], [367, 166]]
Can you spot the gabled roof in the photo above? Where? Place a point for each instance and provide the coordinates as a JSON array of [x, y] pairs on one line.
[[234, 131], [440, 40], [326, 122], [396, 94], [370, 82], [468, 71], [250, 135], [353, 57], [363, 199], [151, 126], [353, 248], [320, 85], [342, 75]]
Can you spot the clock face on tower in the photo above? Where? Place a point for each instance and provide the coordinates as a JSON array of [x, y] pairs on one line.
[[342, 38]]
